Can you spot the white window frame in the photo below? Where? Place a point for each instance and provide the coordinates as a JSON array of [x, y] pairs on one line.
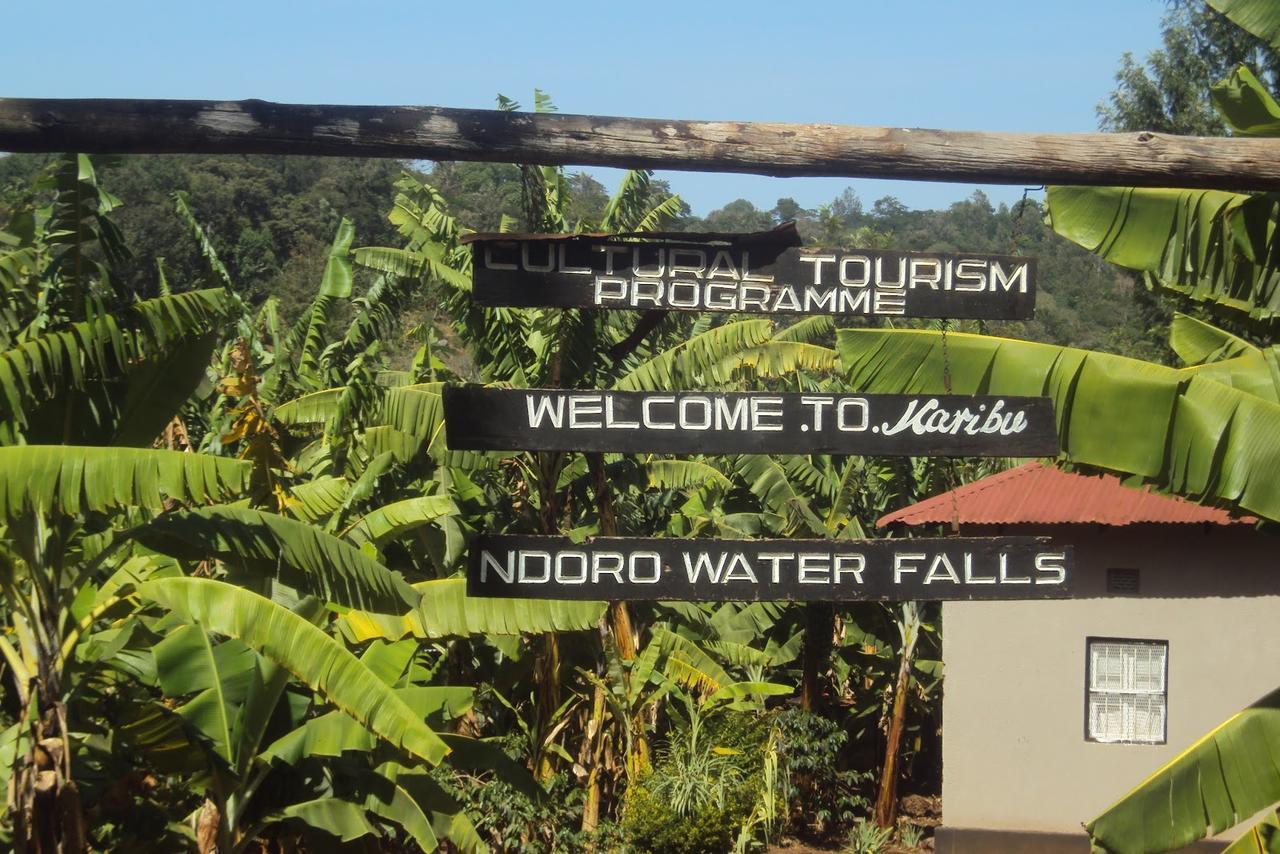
[[1092, 691]]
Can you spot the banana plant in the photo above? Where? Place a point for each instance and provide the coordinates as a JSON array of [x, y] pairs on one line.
[[1217, 248], [1210, 430]]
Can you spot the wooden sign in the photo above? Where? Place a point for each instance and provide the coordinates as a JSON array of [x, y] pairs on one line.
[[624, 568], [762, 277], [688, 422]]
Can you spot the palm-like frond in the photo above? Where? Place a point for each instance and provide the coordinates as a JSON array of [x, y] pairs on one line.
[[304, 650], [267, 545], [699, 360], [1210, 245], [683, 474], [104, 347], [319, 498], [1194, 431], [1219, 781], [217, 272], [315, 407], [446, 611], [391, 521], [688, 663], [72, 480]]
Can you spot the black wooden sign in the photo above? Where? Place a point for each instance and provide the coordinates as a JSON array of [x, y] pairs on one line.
[[764, 277], [688, 422], [624, 568]]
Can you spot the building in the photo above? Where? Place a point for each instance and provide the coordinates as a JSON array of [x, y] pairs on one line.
[[1054, 709]]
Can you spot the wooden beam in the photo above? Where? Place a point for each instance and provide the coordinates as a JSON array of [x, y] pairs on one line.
[[765, 148]]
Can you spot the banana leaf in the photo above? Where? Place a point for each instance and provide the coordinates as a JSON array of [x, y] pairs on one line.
[[1219, 781], [1181, 429], [1260, 17], [1245, 105], [272, 546], [1212, 246], [304, 650], [343, 819], [70, 480], [392, 521], [446, 611], [188, 663], [1262, 838]]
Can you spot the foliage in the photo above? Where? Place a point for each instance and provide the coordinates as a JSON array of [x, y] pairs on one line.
[[509, 819], [867, 838], [1216, 783], [1203, 430], [260, 623], [826, 799], [1170, 93]]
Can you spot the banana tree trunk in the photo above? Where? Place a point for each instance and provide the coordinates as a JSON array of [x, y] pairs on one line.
[[886, 811], [819, 631], [595, 732], [620, 627]]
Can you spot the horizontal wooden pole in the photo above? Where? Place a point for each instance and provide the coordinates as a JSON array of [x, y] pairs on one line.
[[765, 148]]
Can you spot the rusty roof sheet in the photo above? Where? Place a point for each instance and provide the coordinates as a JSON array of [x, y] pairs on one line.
[[1041, 494]]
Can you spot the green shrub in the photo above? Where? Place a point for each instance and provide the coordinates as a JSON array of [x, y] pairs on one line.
[[703, 788], [824, 799], [651, 824]]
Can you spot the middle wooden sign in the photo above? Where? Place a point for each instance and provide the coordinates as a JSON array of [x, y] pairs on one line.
[[690, 422], [759, 274]]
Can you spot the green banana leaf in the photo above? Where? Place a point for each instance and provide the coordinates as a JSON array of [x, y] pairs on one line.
[[683, 474], [334, 733], [155, 390], [335, 285], [1212, 246], [446, 611], [1245, 105], [70, 480], [304, 650], [343, 819], [1198, 343], [269, 545], [315, 407], [1179, 428], [390, 800], [1219, 781], [687, 662], [188, 662], [317, 499], [79, 357], [704, 358], [391, 521], [420, 805], [1262, 838], [1260, 17]]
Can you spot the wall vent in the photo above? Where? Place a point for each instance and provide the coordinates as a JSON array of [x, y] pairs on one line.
[[1123, 581]]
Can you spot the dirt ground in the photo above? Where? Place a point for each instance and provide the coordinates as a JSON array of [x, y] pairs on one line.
[[919, 810]]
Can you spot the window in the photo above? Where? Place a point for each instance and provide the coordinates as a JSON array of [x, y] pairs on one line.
[[1126, 691]]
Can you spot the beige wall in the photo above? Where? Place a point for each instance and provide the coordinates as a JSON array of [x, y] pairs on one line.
[[1014, 753]]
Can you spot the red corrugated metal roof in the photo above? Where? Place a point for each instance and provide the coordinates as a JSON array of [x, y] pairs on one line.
[[1041, 494]]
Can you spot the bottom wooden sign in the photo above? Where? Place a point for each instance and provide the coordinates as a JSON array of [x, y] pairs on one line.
[[627, 568]]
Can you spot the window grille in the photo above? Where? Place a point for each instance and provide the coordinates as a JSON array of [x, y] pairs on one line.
[[1126, 691]]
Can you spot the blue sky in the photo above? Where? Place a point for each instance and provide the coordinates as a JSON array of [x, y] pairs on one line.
[[1001, 66]]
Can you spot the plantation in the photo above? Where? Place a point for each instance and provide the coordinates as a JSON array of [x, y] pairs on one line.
[[235, 526]]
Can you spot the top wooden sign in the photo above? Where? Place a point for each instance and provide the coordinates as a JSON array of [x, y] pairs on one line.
[[758, 274]]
